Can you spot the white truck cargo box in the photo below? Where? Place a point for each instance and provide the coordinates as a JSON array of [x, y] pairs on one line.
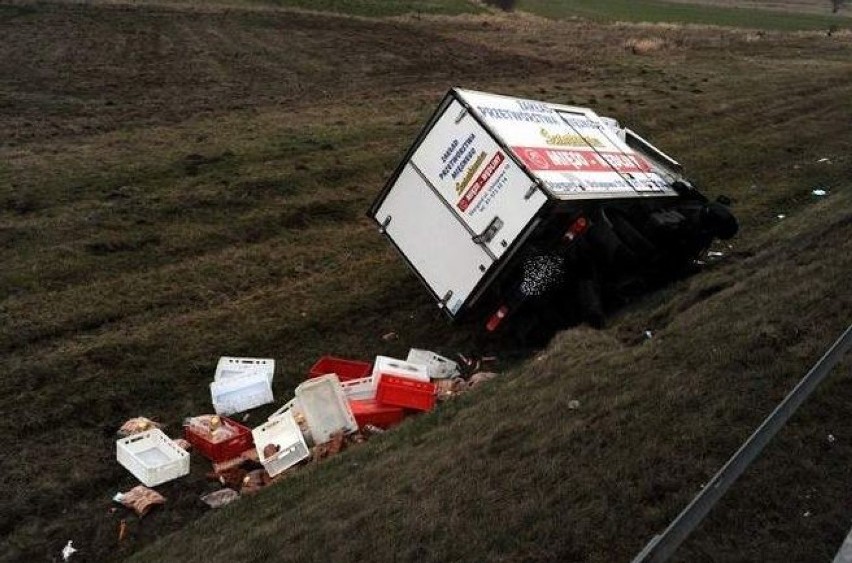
[[488, 169]]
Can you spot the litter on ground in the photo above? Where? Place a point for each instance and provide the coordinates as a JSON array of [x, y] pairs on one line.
[[342, 403], [140, 499], [819, 192], [136, 425], [220, 498], [68, 551]]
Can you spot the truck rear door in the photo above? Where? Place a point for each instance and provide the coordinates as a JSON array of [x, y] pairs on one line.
[[435, 243]]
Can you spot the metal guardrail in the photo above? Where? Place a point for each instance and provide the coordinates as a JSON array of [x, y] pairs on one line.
[[662, 546]]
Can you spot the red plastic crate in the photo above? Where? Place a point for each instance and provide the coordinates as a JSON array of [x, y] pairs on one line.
[[225, 450], [401, 392], [345, 369], [369, 411]]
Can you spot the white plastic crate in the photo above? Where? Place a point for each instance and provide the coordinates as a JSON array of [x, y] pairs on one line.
[[438, 367], [399, 368], [294, 408], [282, 431], [237, 394], [229, 367], [325, 407], [360, 389], [152, 457]]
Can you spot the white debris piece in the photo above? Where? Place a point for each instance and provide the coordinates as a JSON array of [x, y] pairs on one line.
[[715, 254], [648, 334], [819, 192], [781, 216], [573, 404], [68, 551], [831, 439], [825, 159]]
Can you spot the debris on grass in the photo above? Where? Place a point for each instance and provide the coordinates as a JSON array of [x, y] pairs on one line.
[[372, 430], [335, 412], [122, 530], [140, 499], [715, 254], [254, 481], [824, 160], [831, 439], [136, 426], [781, 216], [648, 334], [478, 378], [390, 336], [328, 449], [220, 498], [573, 404], [68, 551], [819, 192]]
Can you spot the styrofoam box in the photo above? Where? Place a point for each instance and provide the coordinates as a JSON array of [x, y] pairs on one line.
[[283, 431], [237, 394], [360, 389], [235, 367], [325, 407], [437, 366], [152, 457], [399, 368]]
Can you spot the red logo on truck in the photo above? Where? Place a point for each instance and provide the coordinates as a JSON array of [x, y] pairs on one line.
[[480, 182]]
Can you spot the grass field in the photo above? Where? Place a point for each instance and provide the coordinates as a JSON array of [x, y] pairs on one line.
[[692, 12], [178, 184]]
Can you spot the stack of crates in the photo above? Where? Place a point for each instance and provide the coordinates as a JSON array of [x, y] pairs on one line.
[[379, 395]]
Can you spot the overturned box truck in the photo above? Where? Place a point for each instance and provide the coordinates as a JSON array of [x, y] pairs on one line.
[[538, 215]]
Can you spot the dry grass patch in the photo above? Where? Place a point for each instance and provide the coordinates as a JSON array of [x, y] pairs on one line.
[[646, 45]]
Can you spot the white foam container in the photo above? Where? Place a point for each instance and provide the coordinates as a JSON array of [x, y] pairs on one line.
[[437, 366], [283, 431], [230, 366], [325, 407], [152, 457], [399, 368], [238, 394]]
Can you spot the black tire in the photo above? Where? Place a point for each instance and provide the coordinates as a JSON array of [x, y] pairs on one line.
[[720, 221], [589, 303]]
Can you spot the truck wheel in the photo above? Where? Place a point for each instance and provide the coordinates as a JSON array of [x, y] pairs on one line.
[[589, 303], [720, 221]]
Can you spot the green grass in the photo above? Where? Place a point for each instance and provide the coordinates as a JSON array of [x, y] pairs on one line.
[[202, 193], [380, 8], [671, 12]]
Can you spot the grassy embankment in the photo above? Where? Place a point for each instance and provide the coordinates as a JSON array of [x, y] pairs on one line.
[[704, 13], [178, 185]]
